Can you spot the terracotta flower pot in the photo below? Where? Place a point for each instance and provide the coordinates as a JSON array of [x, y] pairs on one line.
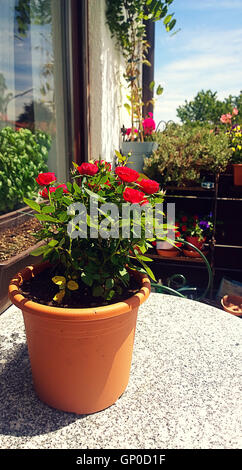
[[232, 304], [196, 242], [80, 358], [237, 169], [166, 250]]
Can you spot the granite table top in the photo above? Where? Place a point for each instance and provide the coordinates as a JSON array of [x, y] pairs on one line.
[[184, 390]]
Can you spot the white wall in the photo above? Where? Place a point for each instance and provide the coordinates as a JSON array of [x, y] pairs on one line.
[[107, 86]]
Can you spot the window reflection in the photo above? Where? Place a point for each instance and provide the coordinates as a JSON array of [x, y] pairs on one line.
[[26, 65], [29, 51]]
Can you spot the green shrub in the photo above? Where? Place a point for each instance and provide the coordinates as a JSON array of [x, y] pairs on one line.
[[23, 155], [184, 151]]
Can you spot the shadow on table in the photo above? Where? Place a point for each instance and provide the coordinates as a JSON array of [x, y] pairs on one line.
[[22, 413]]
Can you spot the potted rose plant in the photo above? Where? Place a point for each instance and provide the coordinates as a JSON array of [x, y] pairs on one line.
[[196, 230], [80, 304], [236, 160], [234, 133]]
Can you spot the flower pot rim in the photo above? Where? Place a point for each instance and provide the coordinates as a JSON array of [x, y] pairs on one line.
[[194, 253], [196, 237], [80, 314], [134, 142], [170, 253], [231, 299]]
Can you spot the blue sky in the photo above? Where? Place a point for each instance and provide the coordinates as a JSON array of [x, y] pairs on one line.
[[205, 54]]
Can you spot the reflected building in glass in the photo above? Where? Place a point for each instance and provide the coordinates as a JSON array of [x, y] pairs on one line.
[[33, 90]]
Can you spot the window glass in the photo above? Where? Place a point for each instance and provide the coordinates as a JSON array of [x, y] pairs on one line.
[[31, 72]]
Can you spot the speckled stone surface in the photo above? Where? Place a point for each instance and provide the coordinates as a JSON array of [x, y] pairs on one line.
[[184, 390]]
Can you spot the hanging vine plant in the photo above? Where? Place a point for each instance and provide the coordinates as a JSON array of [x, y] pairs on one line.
[[126, 21]]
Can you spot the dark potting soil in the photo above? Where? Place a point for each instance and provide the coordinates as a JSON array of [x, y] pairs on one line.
[[41, 289], [14, 240]]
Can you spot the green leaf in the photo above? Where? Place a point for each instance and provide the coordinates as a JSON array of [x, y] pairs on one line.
[[104, 179], [46, 218], [32, 204], [39, 251], [63, 216], [168, 19], [48, 209], [172, 24], [110, 295], [94, 195], [58, 193], [128, 107], [159, 90], [148, 270], [124, 276], [97, 291], [53, 243], [151, 85], [67, 200], [143, 258], [87, 279], [47, 253], [109, 283], [77, 188], [118, 154], [69, 186]]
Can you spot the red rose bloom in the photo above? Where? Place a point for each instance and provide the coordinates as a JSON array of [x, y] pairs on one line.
[[45, 178], [184, 228], [149, 186], [127, 174], [44, 193], [65, 190], [87, 169], [133, 195], [52, 189], [184, 218]]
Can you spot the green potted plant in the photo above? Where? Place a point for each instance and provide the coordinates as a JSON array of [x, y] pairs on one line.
[[80, 304], [23, 154], [184, 152], [127, 22]]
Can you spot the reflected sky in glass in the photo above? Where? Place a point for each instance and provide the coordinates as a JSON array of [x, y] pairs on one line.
[[24, 60]]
